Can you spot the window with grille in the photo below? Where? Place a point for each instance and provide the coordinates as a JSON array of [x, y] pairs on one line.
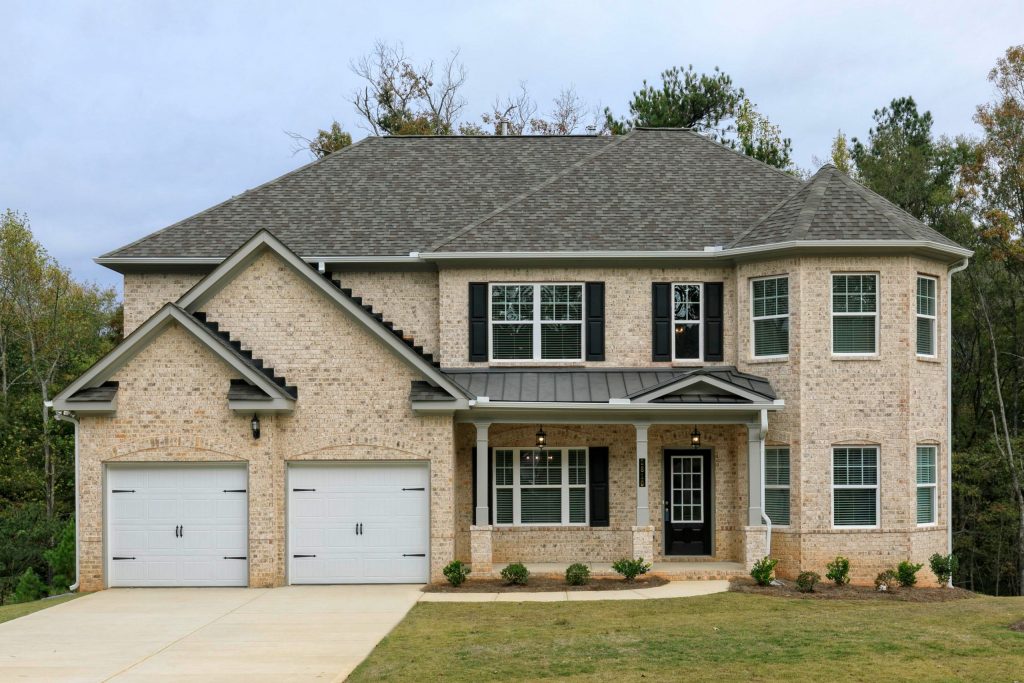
[[776, 485], [854, 314], [770, 312], [927, 484], [926, 316], [855, 486], [540, 486], [536, 321], [688, 314]]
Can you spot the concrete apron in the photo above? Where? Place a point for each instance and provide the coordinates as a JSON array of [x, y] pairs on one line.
[[204, 634]]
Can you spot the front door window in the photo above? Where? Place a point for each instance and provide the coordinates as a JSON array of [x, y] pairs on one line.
[[687, 487]]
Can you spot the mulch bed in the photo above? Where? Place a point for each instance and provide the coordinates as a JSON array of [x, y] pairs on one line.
[[829, 591], [540, 584]]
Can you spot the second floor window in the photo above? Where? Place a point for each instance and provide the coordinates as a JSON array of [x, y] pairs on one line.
[[689, 316], [854, 314], [770, 312], [537, 322], [925, 316]]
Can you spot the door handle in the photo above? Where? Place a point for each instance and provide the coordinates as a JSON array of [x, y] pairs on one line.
[[176, 530]]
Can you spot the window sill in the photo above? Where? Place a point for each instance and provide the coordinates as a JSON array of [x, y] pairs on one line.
[[541, 527], [695, 363], [929, 359], [857, 356], [755, 360], [538, 363]]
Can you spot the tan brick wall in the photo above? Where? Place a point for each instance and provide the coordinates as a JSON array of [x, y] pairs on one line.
[[407, 298], [146, 293]]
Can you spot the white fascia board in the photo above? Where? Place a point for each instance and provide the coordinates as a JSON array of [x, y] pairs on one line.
[[86, 407], [261, 406], [439, 407], [690, 380]]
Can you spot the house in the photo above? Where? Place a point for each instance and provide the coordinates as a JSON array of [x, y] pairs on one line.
[[536, 349]]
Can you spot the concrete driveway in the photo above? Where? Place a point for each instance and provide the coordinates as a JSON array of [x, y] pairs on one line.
[[297, 633]]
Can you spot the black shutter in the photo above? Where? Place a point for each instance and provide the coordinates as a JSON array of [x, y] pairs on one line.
[[490, 485], [595, 320], [599, 486], [713, 322], [661, 315], [477, 321]]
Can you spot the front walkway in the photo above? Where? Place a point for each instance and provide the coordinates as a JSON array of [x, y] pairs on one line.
[[672, 589], [204, 634]]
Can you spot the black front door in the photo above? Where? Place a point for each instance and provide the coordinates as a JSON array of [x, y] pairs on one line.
[[687, 502]]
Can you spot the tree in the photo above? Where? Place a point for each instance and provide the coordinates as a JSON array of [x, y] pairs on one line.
[[760, 138], [517, 115], [323, 143], [840, 155], [401, 98]]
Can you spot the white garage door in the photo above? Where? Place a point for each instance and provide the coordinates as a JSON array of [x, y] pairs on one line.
[[177, 525], [359, 523]]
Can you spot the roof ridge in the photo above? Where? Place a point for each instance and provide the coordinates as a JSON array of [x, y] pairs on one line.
[[236, 197], [886, 207], [738, 153], [515, 200], [817, 187], [804, 184]]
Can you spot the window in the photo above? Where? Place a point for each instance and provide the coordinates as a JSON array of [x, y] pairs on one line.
[[537, 322], [534, 486], [688, 315], [770, 304], [926, 484], [926, 316], [776, 485], [854, 314], [855, 486]]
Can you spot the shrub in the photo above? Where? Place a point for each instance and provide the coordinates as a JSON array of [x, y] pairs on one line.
[[630, 569], [577, 574], [887, 581], [805, 582], [456, 572], [30, 587], [838, 571], [515, 574], [763, 571], [906, 573], [61, 559], [944, 567]]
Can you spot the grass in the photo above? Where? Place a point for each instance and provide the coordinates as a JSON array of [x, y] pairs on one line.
[[8, 612], [728, 636]]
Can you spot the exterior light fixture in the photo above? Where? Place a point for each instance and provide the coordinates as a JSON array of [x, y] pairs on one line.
[[255, 424], [542, 439], [695, 437]]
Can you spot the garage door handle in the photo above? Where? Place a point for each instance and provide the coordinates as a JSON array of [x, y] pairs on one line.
[[235, 558], [303, 489], [414, 554], [122, 558], [303, 555], [415, 489]]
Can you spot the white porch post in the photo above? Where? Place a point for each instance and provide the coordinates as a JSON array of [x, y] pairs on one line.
[[482, 494], [643, 513], [755, 471]]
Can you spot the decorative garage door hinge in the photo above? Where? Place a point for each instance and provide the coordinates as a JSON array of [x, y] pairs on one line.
[[414, 554], [415, 489], [303, 489], [234, 490], [235, 558], [303, 555], [123, 558], [123, 491]]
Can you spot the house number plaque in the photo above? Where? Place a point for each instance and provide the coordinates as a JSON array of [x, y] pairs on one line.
[[643, 473]]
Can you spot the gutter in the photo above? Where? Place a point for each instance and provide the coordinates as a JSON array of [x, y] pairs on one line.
[[954, 269], [68, 417]]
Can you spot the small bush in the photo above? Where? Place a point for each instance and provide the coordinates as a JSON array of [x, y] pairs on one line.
[[630, 569], [944, 567], [456, 572], [515, 574], [577, 574], [805, 582], [764, 571], [906, 573], [887, 581], [30, 587], [838, 571]]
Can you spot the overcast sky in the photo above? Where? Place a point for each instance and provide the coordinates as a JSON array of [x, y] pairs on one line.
[[119, 118]]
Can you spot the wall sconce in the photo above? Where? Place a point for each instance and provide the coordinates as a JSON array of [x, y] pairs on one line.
[[542, 439], [255, 424], [695, 437]]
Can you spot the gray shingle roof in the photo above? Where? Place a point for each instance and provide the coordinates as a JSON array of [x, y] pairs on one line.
[[104, 392], [833, 206]]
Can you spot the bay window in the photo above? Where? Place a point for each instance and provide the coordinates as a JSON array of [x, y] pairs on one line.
[[854, 314], [855, 486], [770, 313]]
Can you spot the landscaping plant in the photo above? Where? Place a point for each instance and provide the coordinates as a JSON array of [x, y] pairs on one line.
[[456, 572], [30, 587], [763, 571], [515, 574], [838, 571], [805, 582], [887, 581], [906, 573], [944, 567], [630, 569], [577, 574]]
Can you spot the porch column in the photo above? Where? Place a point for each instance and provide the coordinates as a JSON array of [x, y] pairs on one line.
[[643, 513], [755, 470], [482, 494]]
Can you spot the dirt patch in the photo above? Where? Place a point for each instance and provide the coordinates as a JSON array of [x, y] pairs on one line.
[[1018, 627], [542, 584], [830, 591]]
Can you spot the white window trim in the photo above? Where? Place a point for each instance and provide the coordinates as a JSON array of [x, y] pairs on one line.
[[699, 322], [517, 488], [934, 486], [536, 323], [877, 487], [933, 318], [833, 315], [787, 487], [754, 319]]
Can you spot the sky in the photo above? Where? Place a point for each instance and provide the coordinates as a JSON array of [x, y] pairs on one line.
[[120, 118]]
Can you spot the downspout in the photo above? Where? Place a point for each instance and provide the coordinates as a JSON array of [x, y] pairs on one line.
[[68, 417], [955, 268]]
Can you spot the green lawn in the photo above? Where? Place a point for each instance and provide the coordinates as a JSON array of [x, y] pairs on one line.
[[728, 636], [8, 612]]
